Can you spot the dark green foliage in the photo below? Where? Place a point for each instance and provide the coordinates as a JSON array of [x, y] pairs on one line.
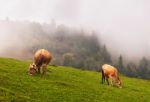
[[131, 70], [120, 65], [68, 59], [73, 48], [143, 68], [106, 58]]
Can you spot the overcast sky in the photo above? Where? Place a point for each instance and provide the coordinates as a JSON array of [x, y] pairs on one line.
[[124, 25]]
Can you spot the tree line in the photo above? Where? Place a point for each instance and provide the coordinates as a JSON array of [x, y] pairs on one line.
[[73, 47]]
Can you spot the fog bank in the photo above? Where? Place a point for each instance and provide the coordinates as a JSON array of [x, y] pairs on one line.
[[123, 25]]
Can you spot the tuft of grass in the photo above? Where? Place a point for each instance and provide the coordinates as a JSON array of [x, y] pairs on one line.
[[65, 84]]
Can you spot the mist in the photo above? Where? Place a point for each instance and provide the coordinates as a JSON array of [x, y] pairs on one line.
[[123, 26]]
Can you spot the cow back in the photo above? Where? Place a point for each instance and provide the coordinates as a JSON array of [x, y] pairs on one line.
[[42, 56], [109, 70]]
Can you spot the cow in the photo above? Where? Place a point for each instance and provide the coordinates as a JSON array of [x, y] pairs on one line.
[[110, 72], [41, 59]]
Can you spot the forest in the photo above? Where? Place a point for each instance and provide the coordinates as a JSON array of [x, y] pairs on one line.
[[69, 47]]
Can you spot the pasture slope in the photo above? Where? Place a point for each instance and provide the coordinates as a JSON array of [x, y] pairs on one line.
[[65, 84]]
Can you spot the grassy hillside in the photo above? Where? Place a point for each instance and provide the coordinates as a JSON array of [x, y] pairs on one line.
[[64, 84]]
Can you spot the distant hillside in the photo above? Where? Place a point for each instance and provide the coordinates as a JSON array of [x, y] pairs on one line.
[[64, 84], [69, 47]]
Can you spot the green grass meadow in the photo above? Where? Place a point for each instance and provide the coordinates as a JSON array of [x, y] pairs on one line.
[[65, 84]]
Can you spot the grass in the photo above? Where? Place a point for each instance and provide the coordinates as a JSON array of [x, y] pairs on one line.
[[65, 84]]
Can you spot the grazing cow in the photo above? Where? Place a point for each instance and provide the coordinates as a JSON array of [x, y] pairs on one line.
[[110, 72], [41, 59]]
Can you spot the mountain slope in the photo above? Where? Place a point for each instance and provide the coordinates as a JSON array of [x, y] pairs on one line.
[[64, 84]]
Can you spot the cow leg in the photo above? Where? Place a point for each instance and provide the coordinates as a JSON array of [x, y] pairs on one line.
[[38, 69], [112, 80], [107, 80], [103, 77], [44, 68]]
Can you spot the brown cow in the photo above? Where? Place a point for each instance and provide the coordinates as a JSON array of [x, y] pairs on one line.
[[41, 59], [111, 72]]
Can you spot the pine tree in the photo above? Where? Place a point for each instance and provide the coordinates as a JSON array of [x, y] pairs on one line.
[[131, 70], [120, 65], [106, 58], [143, 67]]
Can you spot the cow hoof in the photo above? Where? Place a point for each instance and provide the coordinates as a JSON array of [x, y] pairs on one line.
[[120, 87], [30, 74]]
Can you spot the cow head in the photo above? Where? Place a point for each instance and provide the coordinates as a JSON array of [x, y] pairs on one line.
[[119, 84], [32, 69]]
